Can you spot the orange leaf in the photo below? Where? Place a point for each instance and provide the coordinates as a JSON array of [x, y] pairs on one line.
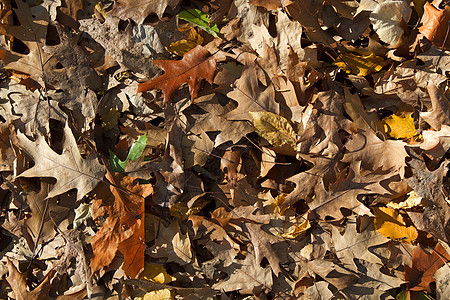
[[435, 24], [196, 65], [123, 229]]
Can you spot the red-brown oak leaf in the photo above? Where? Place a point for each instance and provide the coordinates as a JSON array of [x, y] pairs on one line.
[[196, 65], [435, 24], [424, 264], [122, 202]]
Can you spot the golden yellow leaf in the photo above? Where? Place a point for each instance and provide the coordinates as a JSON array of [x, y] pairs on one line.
[[400, 127], [274, 128], [157, 273], [183, 46], [413, 200], [181, 211], [361, 65], [296, 230], [391, 224]]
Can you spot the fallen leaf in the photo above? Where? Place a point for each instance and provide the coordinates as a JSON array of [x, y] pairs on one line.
[[157, 273], [122, 202], [435, 24], [271, 4], [361, 65], [274, 128], [424, 265], [139, 10], [200, 19], [18, 283], [355, 109], [390, 223], [296, 230], [196, 65], [69, 169], [387, 20], [400, 127], [440, 115], [413, 200], [181, 47]]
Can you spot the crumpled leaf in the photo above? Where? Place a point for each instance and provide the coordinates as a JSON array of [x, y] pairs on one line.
[[413, 200], [196, 65], [18, 283], [182, 47], [400, 127], [157, 273], [361, 65], [271, 4], [296, 230], [69, 169], [440, 115], [135, 152], [435, 24], [123, 229], [200, 19], [140, 9], [390, 223], [424, 265], [274, 128], [387, 18]]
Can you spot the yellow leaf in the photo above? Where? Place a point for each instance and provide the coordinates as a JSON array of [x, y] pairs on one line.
[[391, 224], [413, 200], [183, 46], [278, 203], [400, 127], [157, 273], [361, 65], [274, 128], [362, 120], [296, 230], [181, 211], [110, 119]]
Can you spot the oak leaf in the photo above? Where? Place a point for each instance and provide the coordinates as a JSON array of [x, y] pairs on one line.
[[122, 202], [435, 24], [440, 115], [69, 168], [139, 10], [196, 65], [271, 4], [390, 223], [18, 283], [361, 65], [424, 265], [400, 127]]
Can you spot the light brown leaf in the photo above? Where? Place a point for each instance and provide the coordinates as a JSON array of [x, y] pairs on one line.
[[440, 115], [18, 283], [139, 10], [69, 169], [196, 65]]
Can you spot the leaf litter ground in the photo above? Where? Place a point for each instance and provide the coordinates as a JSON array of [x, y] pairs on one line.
[[224, 149]]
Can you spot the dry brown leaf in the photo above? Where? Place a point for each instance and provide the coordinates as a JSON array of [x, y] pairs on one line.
[[440, 115], [435, 24], [196, 65], [424, 265], [139, 10], [122, 202], [18, 283], [69, 169]]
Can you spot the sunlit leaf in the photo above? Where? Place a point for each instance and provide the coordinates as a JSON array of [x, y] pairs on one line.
[[157, 273], [200, 19], [135, 152], [391, 224], [296, 230], [183, 46], [400, 127], [361, 65], [274, 128]]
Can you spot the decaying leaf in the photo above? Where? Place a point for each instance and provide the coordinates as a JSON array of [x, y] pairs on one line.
[[390, 223], [435, 24], [196, 65], [139, 10]]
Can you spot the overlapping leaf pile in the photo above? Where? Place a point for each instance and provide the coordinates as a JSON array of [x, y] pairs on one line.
[[224, 149]]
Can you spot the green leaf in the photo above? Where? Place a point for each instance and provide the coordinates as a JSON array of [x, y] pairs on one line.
[[200, 19], [135, 152]]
